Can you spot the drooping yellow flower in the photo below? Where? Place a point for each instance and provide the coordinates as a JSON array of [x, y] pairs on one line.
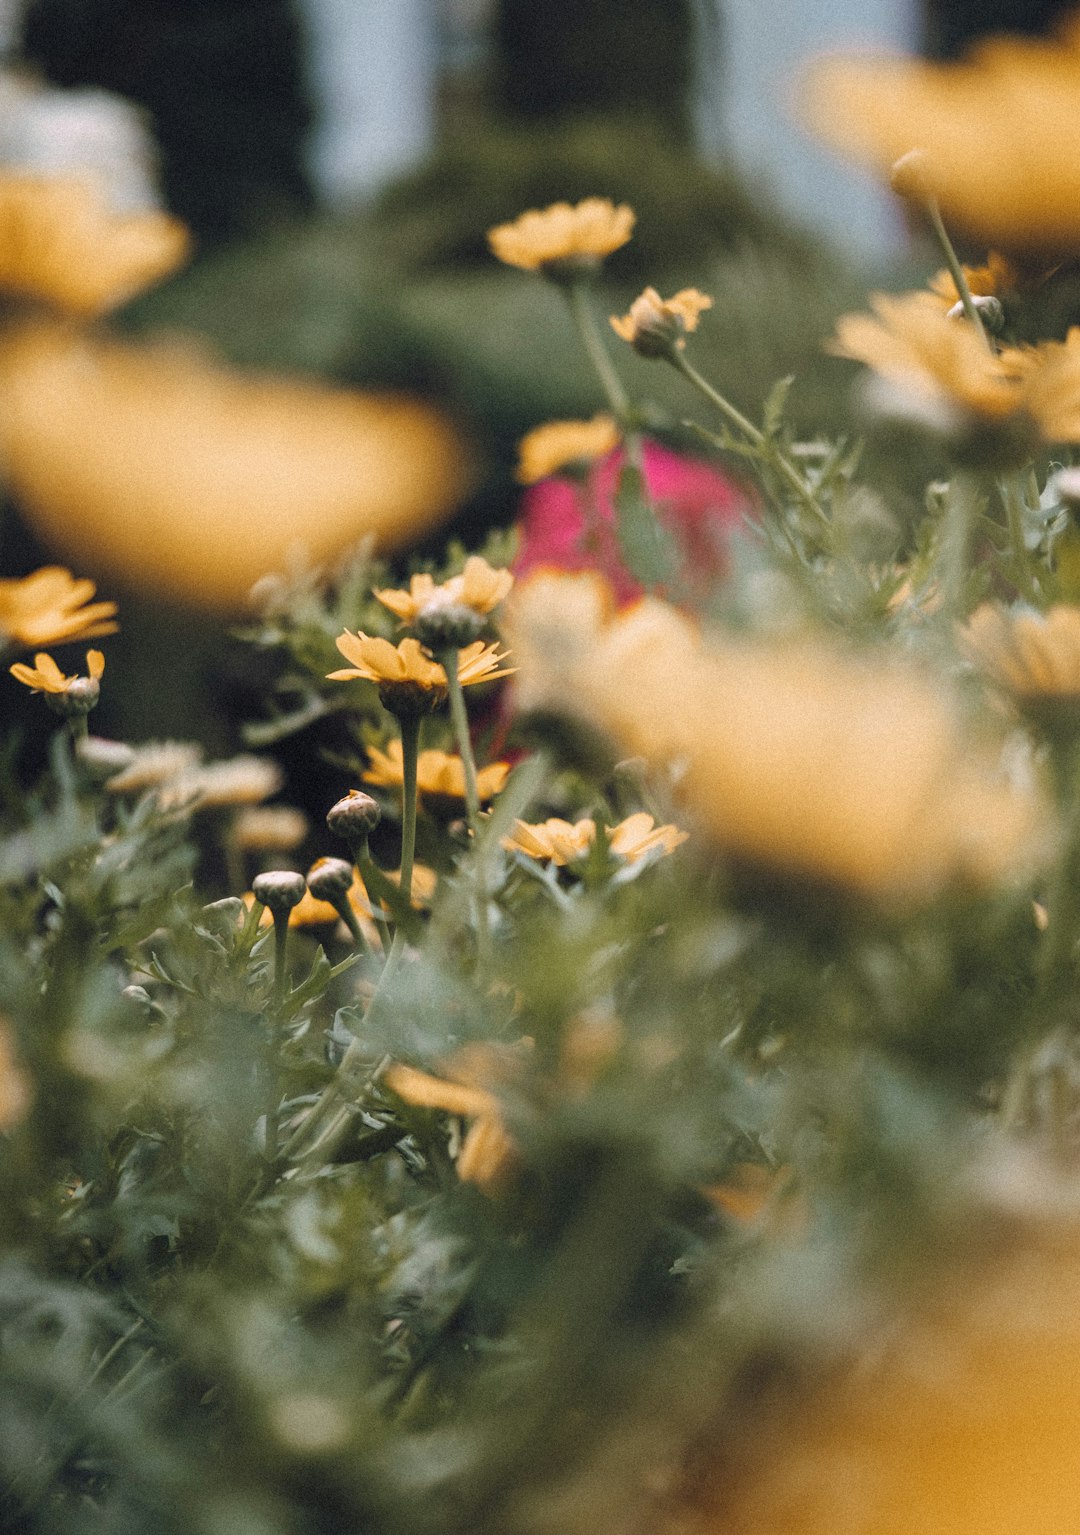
[[553, 841], [577, 236], [560, 444], [50, 607], [798, 757], [46, 677], [196, 480], [999, 129], [439, 775], [654, 325], [406, 674], [562, 842], [1032, 655], [62, 245], [479, 587], [911, 341]]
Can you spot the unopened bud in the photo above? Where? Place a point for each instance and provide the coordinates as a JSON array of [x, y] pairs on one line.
[[329, 879], [354, 816], [280, 890], [910, 176], [987, 307], [79, 697]]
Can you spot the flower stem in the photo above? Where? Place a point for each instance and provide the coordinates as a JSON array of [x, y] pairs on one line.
[[954, 543], [956, 271], [410, 746], [1012, 496], [768, 449], [577, 296], [371, 877], [460, 718]]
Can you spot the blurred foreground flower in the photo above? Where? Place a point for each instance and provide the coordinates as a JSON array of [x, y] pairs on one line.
[[1000, 132], [995, 277], [959, 1420], [488, 1155], [440, 776], [50, 607], [15, 1091], [62, 245], [571, 526], [796, 756], [1034, 656], [194, 480], [910, 341], [563, 238]]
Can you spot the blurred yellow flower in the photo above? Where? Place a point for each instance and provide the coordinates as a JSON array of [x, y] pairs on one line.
[[578, 236], [479, 587], [996, 276], [62, 245], [799, 757], [550, 619], [488, 1155], [911, 341], [654, 325], [559, 444], [50, 607], [439, 775], [1000, 130], [639, 834], [242, 780], [1032, 655], [268, 828], [195, 480], [46, 677], [15, 1090]]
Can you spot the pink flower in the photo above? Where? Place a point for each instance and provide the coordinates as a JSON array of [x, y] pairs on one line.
[[571, 524]]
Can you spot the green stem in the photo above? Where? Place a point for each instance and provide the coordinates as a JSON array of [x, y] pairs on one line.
[[343, 907], [1012, 496], [410, 748], [952, 557], [273, 1098], [373, 877], [768, 449], [957, 271], [460, 719], [577, 296]]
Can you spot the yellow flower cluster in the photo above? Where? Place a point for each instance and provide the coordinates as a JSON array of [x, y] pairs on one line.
[[795, 756]]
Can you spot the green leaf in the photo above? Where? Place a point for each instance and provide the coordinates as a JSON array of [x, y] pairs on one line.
[[773, 412]]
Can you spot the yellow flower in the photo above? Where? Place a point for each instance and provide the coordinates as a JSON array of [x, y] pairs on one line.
[[1032, 655], [488, 1155], [552, 841], [560, 842], [439, 775], [406, 675], [196, 480], [550, 619], [913, 343], [50, 607], [655, 325], [268, 828], [46, 677], [61, 244], [1000, 132], [998, 275], [479, 587], [15, 1090], [242, 780], [577, 237], [803, 759], [561, 444]]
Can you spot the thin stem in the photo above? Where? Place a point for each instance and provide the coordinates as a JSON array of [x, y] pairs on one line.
[[372, 876], [410, 747], [343, 907], [956, 271], [577, 296], [1012, 496], [460, 719], [768, 449], [955, 541]]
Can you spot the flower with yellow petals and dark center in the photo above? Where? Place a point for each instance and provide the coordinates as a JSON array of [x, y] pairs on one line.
[[563, 241], [656, 327], [50, 607], [440, 776], [569, 446], [409, 681]]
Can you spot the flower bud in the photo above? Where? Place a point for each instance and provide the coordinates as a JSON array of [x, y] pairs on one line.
[[987, 307], [280, 890], [354, 816], [910, 176], [79, 697], [329, 879]]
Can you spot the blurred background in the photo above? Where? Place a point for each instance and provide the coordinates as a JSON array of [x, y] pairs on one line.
[[339, 162]]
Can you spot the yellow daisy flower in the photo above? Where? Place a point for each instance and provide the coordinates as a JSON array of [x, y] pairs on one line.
[[639, 834], [1031, 655], [562, 444], [996, 276], [50, 607], [46, 677], [552, 841], [62, 244], [439, 775], [999, 131], [406, 676], [479, 587], [563, 237], [655, 325]]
